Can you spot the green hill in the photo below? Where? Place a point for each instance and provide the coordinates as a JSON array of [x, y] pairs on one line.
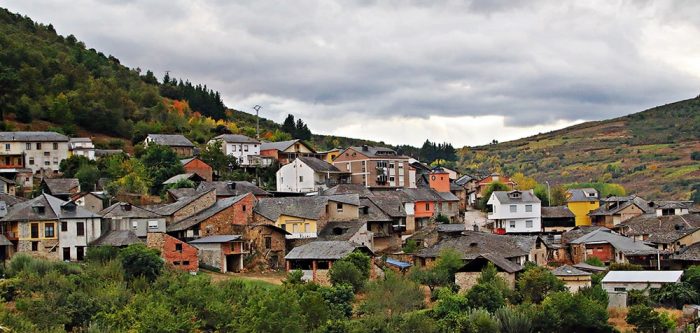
[[649, 153]]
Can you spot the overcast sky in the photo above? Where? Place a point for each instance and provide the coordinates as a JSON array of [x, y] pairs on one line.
[[465, 72]]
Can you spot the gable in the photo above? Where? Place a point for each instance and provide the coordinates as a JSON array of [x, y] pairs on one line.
[[350, 154]]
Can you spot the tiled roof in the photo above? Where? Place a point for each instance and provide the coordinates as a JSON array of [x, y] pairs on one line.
[[332, 250], [11, 200], [422, 194], [232, 188], [389, 205], [32, 136], [171, 208], [59, 186], [123, 209], [311, 207], [217, 207], [173, 140], [612, 205], [372, 151], [374, 213], [557, 212], [582, 194], [117, 238], [688, 253], [283, 145], [361, 190], [24, 211], [216, 239], [178, 193], [578, 232], [235, 138], [340, 231], [464, 180]]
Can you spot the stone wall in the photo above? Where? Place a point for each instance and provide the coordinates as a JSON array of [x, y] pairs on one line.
[[196, 206], [260, 257], [187, 259], [47, 248], [466, 280], [223, 222]]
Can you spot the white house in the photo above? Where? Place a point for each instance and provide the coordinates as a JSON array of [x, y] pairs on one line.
[[622, 281], [239, 146], [38, 151], [81, 147], [515, 211], [309, 174]]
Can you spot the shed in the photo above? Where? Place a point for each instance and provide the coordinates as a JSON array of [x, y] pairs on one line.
[[573, 278]]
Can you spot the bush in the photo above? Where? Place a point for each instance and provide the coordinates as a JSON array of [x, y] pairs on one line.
[[139, 261], [536, 283], [625, 267], [595, 261], [344, 272], [410, 246], [638, 297], [674, 295], [294, 277], [695, 156], [101, 254], [512, 321], [485, 296], [647, 319]]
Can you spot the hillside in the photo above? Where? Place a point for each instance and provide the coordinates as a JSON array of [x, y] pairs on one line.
[[649, 152]]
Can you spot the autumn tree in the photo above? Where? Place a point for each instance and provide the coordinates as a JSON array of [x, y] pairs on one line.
[[523, 182]]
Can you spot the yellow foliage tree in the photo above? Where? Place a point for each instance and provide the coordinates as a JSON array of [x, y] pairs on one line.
[[523, 182]]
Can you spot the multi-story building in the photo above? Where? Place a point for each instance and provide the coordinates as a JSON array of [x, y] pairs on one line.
[[374, 167], [81, 147], [515, 212], [241, 147], [582, 201], [42, 152], [286, 151], [177, 142], [309, 174]]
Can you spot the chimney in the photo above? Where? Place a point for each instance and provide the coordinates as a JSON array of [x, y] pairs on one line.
[[365, 148], [232, 185], [127, 207]]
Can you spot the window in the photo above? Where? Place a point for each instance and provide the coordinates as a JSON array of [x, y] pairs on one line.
[[38, 146], [391, 178], [55, 160], [35, 246], [347, 166], [7, 146], [178, 247], [64, 226], [245, 148], [307, 227], [47, 153], [391, 165], [7, 160], [80, 226], [620, 289], [528, 224], [339, 207], [427, 206], [28, 146], [55, 146], [134, 225], [301, 179], [47, 163], [34, 230], [152, 225], [31, 161], [244, 208], [268, 242], [49, 230], [185, 263], [512, 224], [176, 263], [513, 208], [528, 208]]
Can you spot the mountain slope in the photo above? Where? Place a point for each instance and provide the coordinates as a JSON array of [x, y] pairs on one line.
[[649, 152]]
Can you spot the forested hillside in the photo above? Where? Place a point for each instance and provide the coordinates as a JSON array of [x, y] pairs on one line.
[[654, 153]]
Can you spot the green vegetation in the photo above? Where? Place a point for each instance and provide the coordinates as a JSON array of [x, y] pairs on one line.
[[647, 319], [352, 270], [495, 186]]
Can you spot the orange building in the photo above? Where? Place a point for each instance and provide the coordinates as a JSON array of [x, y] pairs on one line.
[[195, 165]]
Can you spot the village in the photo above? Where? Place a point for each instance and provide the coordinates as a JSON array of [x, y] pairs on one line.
[[329, 204]]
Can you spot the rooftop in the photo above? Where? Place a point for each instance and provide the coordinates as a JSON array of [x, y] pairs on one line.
[[626, 245], [582, 195], [512, 197], [473, 244], [661, 229], [216, 239], [332, 250], [643, 276], [235, 138], [557, 212], [214, 209], [319, 165], [32, 136], [117, 238], [124, 209], [61, 186], [232, 188], [567, 270], [173, 140]]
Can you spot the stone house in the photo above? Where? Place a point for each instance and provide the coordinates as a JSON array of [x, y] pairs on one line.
[[177, 142], [123, 216], [610, 247], [466, 277], [51, 228], [615, 210], [557, 219], [62, 188], [225, 189], [175, 252], [472, 244], [374, 167], [92, 201], [669, 233], [574, 279], [197, 166], [7, 186], [42, 152], [185, 206], [316, 258], [222, 252], [217, 219]]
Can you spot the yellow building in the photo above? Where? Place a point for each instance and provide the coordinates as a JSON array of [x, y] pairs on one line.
[[582, 201], [299, 227], [330, 155]]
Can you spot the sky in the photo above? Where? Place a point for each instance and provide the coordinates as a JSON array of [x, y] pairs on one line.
[[464, 72]]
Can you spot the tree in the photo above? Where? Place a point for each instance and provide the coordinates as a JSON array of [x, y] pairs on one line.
[[675, 295], [361, 261], [394, 295], [495, 186], [536, 283], [442, 273], [565, 312], [558, 196], [161, 163], [645, 319], [213, 155], [692, 277], [139, 261], [344, 272], [88, 175], [595, 261], [486, 296], [289, 125], [523, 182], [69, 167]]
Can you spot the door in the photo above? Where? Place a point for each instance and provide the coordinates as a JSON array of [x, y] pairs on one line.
[[66, 254], [80, 252]]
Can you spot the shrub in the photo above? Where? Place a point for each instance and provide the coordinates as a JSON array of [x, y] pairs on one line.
[[674, 295], [344, 272], [595, 261], [485, 296], [410, 246], [695, 156], [638, 297], [101, 254], [139, 261], [512, 321], [294, 277], [536, 283], [647, 319]]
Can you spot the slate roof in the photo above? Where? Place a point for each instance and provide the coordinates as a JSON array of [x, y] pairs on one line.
[[32, 136], [117, 238], [464, 180], [7, 181], [422, 194], [688, 253], [214, 209], [590, 268], [183, 176], [476, 264], [473, 244], [80, 140], [626, 245], [661, 229], [120, 210], [4, 241], [223, 188], [171, 208], [283, 145], [451, 227], [235, 138], [216, 239], [172, 140], [456, 187], [579, 231], [178, 193], [374, 213], [23, 211], [348, 189], [622, 203], [389, 205], [506, 197], [582, 195], [671, 204], [557, 212], [319, 165], [329, 250], [643, 276], [340, 231], [447, 196], [566, 270], [11, 200], [311, 207], [61, 186], [373, 151]]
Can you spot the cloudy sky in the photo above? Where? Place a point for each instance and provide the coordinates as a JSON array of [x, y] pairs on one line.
[[465, 72]]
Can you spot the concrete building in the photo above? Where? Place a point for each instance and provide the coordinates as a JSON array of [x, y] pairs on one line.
[[42, 152], [241, 147], [309, 174], [81, 147], [582, 201], [374, 167], [515, 212]]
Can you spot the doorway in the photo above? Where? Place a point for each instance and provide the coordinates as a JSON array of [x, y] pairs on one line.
[[234, 263]]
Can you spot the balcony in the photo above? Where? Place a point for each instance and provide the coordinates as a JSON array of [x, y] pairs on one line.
[[301, 235]]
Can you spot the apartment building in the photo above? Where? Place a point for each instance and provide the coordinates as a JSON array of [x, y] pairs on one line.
[[241, 147], [374, 167], [38, 151]]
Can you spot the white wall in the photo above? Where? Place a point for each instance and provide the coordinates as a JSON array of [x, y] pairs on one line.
[[520, 225], [71, 239], [240, 150], [288, 178], [54, 158]]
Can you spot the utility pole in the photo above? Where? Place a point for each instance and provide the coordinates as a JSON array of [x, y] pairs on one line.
[[257, 121], [549, 194]]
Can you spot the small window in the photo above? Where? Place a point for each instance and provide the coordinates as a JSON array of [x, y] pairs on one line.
[[152, 225], [64, 226], [301, 179], [528, 208], [513, 208], [55, 160], [427, 206], [268, 242], [339, 207], [38, 146], [80, 226], [134, 225], [620, 289], [47, 153], [176, 263], [49, 230], [244, 208], [7, 146], [185, 263], [47, 163], [31, 161], [34, 230], [233, 148], [528, 224], [245, 148], [55, 146], [28, 146], [178, 247], [512, 224], [35, 246]]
